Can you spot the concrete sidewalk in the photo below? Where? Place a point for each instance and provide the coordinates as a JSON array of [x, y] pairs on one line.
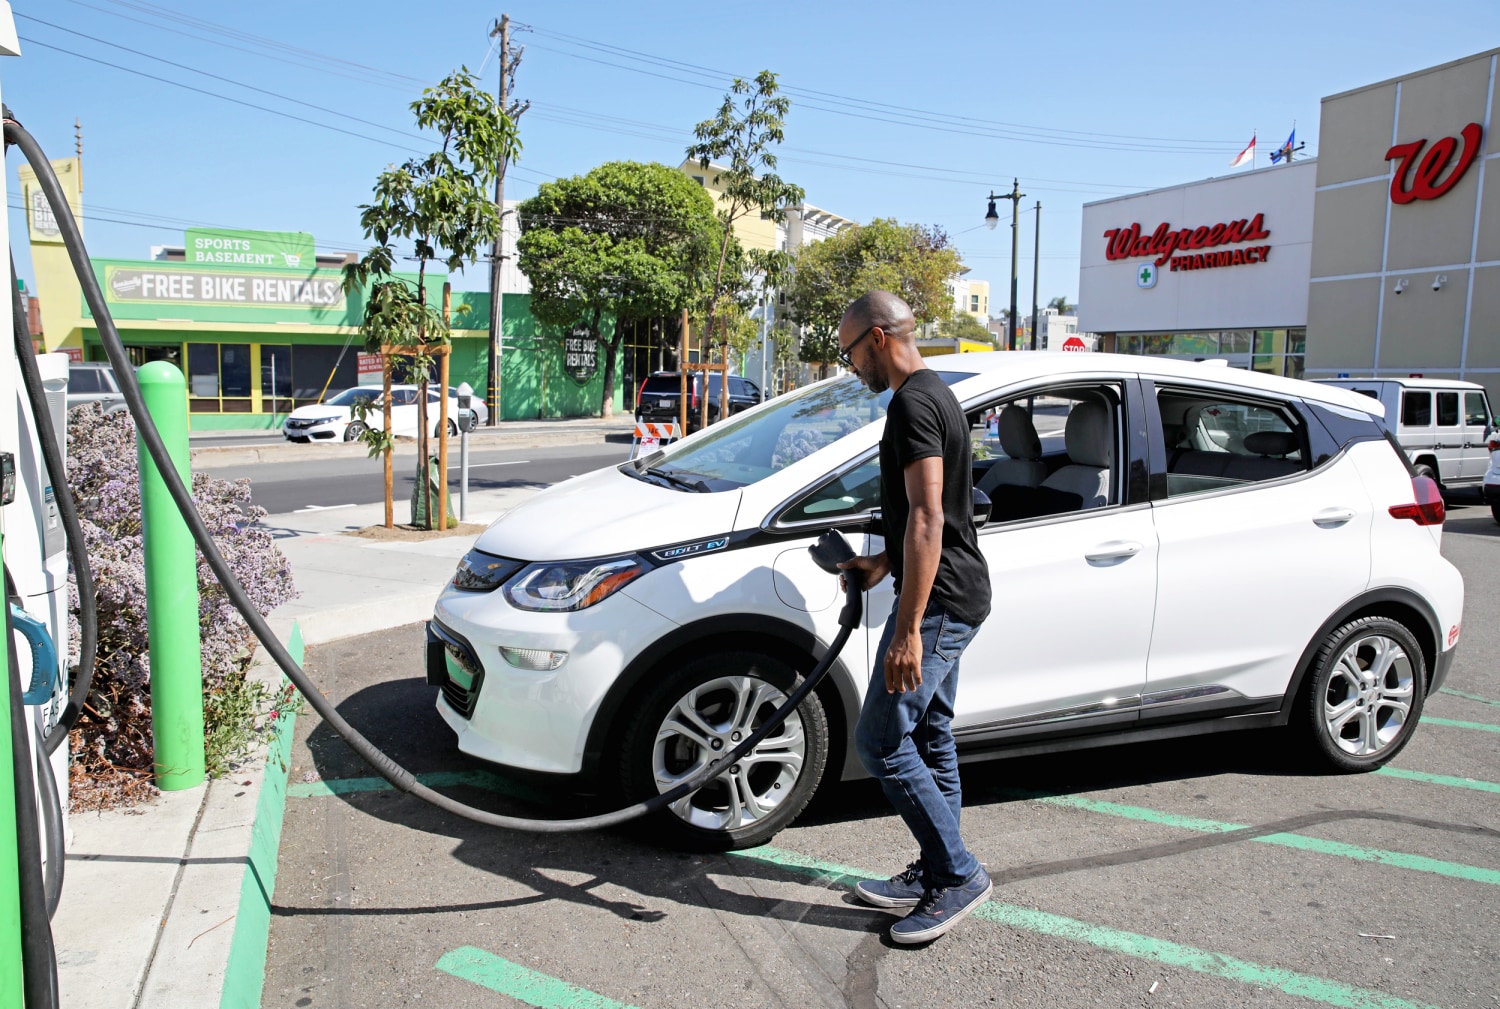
[[167, 906]]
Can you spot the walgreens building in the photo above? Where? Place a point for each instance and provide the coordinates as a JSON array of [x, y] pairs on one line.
[[1381, 256]]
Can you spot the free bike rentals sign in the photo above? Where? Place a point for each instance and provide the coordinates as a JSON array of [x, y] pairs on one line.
[[580, 355]]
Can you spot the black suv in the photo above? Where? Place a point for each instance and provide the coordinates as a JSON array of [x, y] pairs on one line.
[[659, 396]]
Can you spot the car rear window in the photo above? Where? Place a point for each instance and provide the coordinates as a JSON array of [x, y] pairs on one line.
[[658, 384], [84, 380]]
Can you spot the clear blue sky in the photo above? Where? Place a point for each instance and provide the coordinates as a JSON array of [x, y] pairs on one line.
[[911, 111]]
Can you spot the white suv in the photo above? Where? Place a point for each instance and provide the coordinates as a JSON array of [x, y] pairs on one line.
[[1200, 549]]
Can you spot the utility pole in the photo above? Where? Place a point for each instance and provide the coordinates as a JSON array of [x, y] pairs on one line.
[[508, 64], [1014, 196], [1036, 272]]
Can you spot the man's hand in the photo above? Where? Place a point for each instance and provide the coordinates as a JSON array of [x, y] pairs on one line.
[[872, 569], [903, 662]]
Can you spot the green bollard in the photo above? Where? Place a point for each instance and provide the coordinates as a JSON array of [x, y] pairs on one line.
[[171, 590], [12, 991]]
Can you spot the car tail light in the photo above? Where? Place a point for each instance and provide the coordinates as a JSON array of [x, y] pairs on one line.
[[695, 392], [640, 393], [1428, 508], [1494, 442]]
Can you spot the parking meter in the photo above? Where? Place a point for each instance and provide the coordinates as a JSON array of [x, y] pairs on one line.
[[465, 422]]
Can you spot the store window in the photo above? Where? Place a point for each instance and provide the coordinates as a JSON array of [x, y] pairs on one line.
[[276, 379], [321, 371], [219, 378]]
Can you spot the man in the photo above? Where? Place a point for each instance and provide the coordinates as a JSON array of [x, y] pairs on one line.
[[904, 737]]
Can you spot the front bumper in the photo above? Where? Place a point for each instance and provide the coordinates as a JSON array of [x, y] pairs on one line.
[[521, 718]]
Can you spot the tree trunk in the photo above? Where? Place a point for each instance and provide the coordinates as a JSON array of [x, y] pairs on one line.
[[607, 398], [426, 489]]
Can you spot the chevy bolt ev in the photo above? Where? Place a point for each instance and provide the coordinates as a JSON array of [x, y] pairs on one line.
[[1175, 549]]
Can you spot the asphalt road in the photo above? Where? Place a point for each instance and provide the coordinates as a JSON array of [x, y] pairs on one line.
[[1120, 877], [284, 487]]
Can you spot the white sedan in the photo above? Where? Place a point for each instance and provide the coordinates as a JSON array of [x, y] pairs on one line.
[[1203, 549], [335, 419]]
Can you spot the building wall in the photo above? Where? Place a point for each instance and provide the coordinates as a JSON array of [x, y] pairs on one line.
[[1269, 294], [1367, 245], [753, 231]]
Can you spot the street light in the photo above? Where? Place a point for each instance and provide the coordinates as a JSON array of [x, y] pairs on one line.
[[992, 218]]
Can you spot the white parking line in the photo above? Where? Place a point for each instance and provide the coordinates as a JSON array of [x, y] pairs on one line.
[[482, 465], [321, 508]]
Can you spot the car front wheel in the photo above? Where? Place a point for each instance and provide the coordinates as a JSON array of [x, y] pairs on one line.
[[1363, 695], [706, 708], [354, 431]]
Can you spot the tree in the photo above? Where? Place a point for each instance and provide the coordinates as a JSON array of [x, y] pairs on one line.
[[740, 143], [964, 326], [906, 259], [1061, 304], [440, 204], [627, 239]]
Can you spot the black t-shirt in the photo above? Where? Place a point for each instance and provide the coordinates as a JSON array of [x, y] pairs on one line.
[[924, 420]]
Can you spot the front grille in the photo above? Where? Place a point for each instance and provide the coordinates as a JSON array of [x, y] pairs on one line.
[[453, 666]]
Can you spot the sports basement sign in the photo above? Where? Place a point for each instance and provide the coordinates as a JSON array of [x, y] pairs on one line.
[[222, 287], [288, 250], [1180, 248]]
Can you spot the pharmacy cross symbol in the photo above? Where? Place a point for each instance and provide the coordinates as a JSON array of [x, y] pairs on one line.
[[1146, 277]]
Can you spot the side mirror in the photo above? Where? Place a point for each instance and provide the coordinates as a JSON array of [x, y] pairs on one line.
[[981, 508]]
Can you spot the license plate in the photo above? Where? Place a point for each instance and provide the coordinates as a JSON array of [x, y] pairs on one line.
[[664, 404]]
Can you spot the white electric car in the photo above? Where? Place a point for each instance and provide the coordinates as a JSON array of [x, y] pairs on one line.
[[335, 420], [1202, 549]]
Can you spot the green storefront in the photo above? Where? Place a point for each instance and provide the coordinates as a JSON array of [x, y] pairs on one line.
[[260, 325]]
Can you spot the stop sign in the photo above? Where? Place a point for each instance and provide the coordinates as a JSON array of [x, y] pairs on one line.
[[1074, 343]]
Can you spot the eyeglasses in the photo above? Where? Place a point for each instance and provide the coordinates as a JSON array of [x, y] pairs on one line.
[[846, 351]]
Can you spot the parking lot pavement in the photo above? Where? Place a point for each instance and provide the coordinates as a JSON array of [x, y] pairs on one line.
[[1205, 872]]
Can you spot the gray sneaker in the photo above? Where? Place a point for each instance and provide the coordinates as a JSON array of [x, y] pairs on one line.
[[941, 908], [904, 889]]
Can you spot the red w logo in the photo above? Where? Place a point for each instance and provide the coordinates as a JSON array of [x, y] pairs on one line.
[[1424, 183]]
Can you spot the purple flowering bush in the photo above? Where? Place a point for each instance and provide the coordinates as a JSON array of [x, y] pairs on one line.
[[111, 745]]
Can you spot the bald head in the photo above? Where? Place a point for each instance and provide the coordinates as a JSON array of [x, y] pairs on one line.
[[883, 309]]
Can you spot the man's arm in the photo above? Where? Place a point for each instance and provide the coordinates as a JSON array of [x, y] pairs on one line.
[[923, 547]]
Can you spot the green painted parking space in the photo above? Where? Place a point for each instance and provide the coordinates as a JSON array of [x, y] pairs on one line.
[[1467, 696], [520, 983], [1302, 842], [1162, 951], [1440, 779], [1455, 724]]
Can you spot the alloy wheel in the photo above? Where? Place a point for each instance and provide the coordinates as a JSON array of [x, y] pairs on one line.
[[1369, 695], [712, 719]]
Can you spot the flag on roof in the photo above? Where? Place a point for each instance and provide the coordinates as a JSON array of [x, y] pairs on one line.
[[1285, 150], [1246, 155]]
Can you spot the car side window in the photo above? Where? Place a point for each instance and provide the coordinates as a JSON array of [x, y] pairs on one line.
[[737, 387], [1476, 410], [83, 380], [1212, 443], [1049, 452], [1416, 409], [1447, 409], [854, 493], [751, 388]]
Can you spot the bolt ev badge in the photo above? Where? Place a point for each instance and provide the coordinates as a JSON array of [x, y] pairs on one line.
[[690, 549], [1145, 276]]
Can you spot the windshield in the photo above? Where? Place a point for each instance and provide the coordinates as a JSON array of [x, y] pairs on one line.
[[752, 446], [348, 396]]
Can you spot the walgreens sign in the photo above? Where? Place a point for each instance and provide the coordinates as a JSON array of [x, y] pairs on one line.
[[1180, 247]]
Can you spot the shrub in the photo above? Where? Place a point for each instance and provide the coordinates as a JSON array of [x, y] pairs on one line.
[[111, 745]]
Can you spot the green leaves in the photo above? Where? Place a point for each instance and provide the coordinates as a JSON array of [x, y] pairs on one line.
[[905, 259]]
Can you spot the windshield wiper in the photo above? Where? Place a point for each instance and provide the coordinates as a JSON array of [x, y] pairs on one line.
[[697, 486]]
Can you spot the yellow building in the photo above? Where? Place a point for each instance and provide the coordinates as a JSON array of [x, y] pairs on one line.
[[979, 301], [753, 230]]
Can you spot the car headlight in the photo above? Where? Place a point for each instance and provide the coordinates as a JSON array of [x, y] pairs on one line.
[[482, 572], [572, 585]]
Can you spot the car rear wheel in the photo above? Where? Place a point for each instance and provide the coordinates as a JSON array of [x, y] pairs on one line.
[[1495, 511], [355, 431], [1422, 469], [705, 708], [1363, 696]]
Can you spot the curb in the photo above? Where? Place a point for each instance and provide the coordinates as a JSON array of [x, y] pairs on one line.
[[233, 455], [245, 971]]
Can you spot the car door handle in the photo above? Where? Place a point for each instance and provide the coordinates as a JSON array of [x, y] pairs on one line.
[[1114, 550], [1328, 518]]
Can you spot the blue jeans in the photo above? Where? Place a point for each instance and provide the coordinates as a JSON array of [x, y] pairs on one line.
[[906, 741]]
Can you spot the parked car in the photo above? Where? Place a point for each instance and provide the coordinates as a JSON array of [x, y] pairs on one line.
[[335, 420], [1443, 425], [1205, 549], [660, 397], [90, 382]]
